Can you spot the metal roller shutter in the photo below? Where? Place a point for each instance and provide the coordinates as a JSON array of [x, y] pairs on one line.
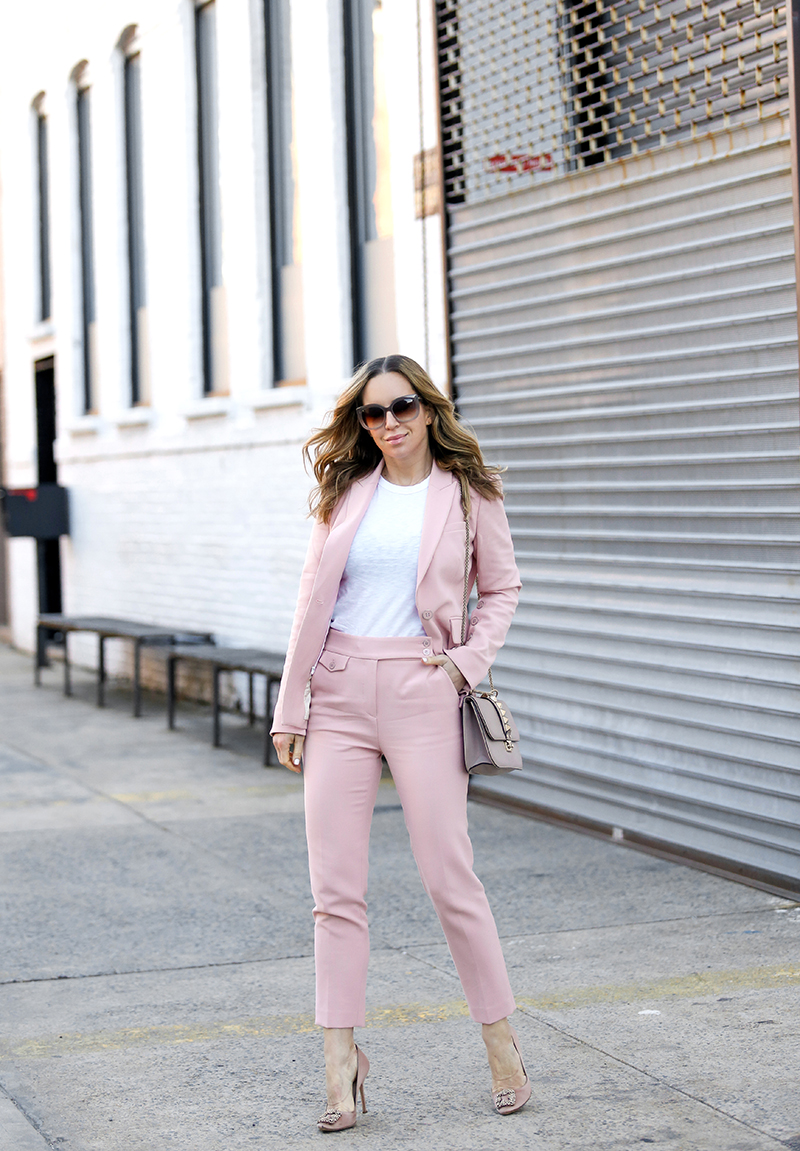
[[625, 343]]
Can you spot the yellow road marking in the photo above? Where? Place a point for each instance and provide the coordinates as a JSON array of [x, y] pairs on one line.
[[402, 1015], [258, 791], [678, 986], [152, 796]]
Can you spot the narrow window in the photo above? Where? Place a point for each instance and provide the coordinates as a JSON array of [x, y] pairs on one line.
[[214, 323], [585, 26], [287, 271], [137, 321], [47, 551], [89, 325], [371, 225], [43, 211]]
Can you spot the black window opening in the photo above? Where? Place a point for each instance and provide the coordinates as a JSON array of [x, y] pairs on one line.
[[213, 315], [450, 101], [589, 138], [48, 554], [3, 571], [137, 298], [369, 188], [288, 335], [88, 321], [43, 214]]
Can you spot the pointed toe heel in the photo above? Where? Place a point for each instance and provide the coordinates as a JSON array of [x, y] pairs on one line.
[[514, 1098], [334, 1120]]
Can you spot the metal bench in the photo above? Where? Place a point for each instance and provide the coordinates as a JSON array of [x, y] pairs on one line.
[[251, 660], [142, 635]]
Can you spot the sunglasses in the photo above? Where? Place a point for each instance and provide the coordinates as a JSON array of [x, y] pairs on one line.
[[373, 416]]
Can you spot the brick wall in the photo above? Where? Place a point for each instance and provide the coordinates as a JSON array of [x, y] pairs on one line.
[[205, 537]]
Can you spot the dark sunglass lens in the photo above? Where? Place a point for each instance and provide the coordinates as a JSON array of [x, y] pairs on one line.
[[405, 408], [373, 415]]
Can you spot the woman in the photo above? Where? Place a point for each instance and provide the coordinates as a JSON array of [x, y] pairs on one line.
[[374, 666]]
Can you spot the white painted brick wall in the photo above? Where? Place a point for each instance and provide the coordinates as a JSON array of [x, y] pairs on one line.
[[201, 539], [192, 514]]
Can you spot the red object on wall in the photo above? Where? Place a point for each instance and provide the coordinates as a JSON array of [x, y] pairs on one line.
[[519, 162]]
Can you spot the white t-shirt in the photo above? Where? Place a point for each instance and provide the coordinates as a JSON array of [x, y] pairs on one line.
[[377, 595]]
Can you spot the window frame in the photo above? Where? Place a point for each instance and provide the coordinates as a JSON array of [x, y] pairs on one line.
[[86, 236]]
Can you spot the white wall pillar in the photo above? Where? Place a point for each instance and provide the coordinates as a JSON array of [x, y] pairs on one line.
[[110, 231], [245, 226], [318, 66], [412, 277], [171, 206]]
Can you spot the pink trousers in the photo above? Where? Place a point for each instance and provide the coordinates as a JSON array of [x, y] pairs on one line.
[[371, 696]]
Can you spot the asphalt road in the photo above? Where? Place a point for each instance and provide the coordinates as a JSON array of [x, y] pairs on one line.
[[156, 971]]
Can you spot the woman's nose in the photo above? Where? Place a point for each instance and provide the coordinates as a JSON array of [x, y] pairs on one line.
[[391, 419]]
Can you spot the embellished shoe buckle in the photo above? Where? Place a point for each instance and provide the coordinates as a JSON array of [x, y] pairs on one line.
[[505, 1099]]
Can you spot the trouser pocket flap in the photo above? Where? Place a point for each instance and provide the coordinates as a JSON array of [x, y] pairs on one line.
[[332, 661]]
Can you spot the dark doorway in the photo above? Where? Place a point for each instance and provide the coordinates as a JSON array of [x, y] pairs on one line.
[[3, 573], [48, 553]]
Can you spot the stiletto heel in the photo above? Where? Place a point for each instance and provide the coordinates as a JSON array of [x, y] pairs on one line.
[[334, 1120], [514, 1098]]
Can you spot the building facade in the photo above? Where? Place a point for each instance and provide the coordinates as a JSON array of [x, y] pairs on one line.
[[209, 217], [213, 210]]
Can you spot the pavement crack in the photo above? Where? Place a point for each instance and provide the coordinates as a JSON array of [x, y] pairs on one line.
[[25, 1115], [709, 915], [649, 1075], [115, 972], [166, 829]]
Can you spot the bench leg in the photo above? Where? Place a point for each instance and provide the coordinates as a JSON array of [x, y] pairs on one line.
[[137, 678], [251, 705], [267, 740], [40, 659], [67, 679], [171, 661], [101, 671], [215, 705], [268, 711]]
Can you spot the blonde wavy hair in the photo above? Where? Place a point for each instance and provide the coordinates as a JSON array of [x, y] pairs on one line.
[[342, 452]]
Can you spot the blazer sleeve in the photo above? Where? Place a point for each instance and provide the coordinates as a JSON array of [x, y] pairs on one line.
[[319, 535], [497, 576]]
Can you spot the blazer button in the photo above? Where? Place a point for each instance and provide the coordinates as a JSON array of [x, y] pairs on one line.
[[480, 603], [476, 619], [319, 599], [426, 643], [331, 664], [427, 614]]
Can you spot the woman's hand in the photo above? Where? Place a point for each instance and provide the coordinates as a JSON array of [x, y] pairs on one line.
[[289, 748], [445, 661]]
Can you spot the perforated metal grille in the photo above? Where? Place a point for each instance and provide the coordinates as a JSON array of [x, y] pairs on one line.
[[450, 99], [533, 89]]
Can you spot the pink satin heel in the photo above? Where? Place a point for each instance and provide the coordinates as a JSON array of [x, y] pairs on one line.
[[513, 1098], [334, 1120]]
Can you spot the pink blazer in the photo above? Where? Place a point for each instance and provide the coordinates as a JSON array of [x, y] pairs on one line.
[[440, 586]]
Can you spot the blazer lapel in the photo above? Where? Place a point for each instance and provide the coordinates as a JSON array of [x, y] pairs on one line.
[[443, 488]]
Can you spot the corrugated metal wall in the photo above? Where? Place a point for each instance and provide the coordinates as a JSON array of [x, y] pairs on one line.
[[625, 342]]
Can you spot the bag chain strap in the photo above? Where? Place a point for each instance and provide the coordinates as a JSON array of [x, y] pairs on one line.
[[466, 597], [492, 695]]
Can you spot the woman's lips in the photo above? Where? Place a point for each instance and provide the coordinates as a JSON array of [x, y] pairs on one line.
[[394, 439]]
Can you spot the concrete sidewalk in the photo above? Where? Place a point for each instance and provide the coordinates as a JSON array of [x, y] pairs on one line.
[[157, 972]]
